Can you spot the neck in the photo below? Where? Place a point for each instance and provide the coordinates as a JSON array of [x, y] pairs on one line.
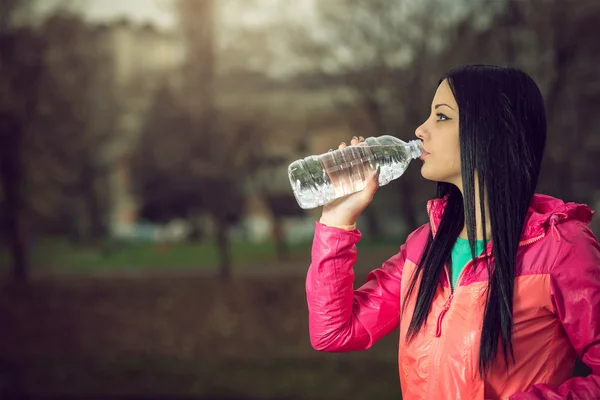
[[479, 234]]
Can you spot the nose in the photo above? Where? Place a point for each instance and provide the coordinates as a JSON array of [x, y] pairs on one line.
[[420, 132]]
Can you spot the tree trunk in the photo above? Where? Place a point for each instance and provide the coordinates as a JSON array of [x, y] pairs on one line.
[[11, 132], [222, 237], [282, 248], [96, 224], [18, 247]]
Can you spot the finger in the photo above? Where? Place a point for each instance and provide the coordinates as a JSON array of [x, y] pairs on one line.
[[375, 177], [370, 189], [372, 181], [342, 145], [354, 141], [372, 176], [361, 139]]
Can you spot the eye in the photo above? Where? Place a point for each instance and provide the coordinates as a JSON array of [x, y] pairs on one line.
[[442, 117]]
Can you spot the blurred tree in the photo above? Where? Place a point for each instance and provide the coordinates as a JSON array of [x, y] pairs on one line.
[[52, 132], [567, 42], [271, 182], [163, 180], [195, 156], [176, 174], [20, 70], [73, 127]]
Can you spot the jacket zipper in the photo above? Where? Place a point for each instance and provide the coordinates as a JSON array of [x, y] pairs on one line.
[[438, 330], [532, 240]]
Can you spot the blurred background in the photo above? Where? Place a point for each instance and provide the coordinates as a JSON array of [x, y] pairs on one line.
[[152, 244]]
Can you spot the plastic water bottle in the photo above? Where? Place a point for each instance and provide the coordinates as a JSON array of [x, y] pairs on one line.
[[318, 180]]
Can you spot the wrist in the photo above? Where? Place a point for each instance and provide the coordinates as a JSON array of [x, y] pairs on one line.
[[343, 223]]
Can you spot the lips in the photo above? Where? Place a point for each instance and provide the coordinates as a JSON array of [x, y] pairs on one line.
[[424, 154]]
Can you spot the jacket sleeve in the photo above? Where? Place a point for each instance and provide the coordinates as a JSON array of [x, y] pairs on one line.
[[575, 291], [341, 318]]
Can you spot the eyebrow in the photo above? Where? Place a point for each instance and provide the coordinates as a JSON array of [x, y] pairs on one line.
[[443, 104]]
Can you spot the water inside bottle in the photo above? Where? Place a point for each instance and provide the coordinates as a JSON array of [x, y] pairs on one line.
[[317, 180], [310, 182], [348, 168]]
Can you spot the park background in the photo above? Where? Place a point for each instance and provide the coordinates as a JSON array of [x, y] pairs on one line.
[[151, 243]]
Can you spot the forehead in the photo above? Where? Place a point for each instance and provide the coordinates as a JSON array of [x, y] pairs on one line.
[[443, 94]]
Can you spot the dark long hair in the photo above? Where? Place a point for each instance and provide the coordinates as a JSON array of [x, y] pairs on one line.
[[502, 134]]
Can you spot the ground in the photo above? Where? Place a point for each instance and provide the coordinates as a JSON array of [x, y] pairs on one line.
[[179, 332], [146, 331]]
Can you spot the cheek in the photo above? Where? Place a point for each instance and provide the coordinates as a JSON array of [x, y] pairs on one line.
[[450, 153], [454, 161], [443, 166]]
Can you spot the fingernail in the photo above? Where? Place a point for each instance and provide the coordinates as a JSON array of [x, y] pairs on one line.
[[344, 143], [330, 150], [361, 138], [354, 138]]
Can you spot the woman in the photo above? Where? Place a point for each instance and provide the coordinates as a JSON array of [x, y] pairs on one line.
[[500, 292]]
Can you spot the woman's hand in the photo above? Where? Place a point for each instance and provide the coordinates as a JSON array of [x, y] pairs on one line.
[[345, 210]]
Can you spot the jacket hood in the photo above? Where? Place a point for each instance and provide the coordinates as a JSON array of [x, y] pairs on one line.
[[544, 212]]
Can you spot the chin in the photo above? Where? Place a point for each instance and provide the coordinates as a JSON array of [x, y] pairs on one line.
[[436, 176], [430, 175]]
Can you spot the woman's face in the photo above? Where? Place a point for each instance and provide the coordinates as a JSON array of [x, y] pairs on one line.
[[439, 133]]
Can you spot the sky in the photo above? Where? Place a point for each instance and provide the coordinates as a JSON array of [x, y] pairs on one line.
[[159, 12], [156, 11], [233, 14]]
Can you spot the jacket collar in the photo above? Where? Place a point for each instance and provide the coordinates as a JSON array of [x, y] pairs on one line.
[[544, 213]]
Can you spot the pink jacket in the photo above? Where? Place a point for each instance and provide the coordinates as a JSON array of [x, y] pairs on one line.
[[556, 310]]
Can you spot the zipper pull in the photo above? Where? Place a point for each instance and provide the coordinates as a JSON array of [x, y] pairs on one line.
[[438, 329]]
